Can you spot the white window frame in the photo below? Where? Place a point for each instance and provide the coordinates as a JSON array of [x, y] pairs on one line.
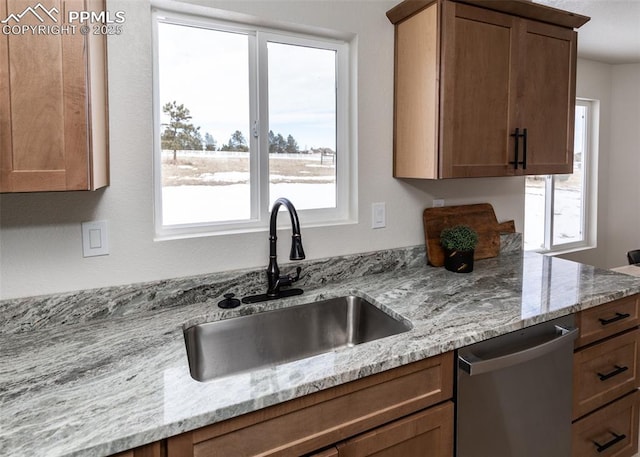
[[589, 190], [263, 32]]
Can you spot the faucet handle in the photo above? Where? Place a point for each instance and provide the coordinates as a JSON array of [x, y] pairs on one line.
[[288, 279], [297, 277]]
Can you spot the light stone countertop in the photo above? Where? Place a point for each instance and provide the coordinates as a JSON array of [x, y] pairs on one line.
[[99, 387], [633, 270]]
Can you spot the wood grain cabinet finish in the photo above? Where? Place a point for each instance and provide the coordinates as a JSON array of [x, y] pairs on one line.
[[605, 372], [157, 449], [429, 432], [330, 452], [53, 105], [607, 320], [606, 380], [466, 77], [317, 421], [611, 431]]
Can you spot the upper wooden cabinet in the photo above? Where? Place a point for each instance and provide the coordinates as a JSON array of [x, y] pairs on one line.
[[53, 103], [480, 92]]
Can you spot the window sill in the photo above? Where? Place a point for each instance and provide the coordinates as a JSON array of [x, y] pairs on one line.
[[181, 234], [566, 250]]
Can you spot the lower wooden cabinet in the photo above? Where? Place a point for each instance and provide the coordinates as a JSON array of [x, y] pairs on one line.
[[401, 409], [605, 371], [157, 449], [611, 431], [429, 432], [606, 380], [609, 319]]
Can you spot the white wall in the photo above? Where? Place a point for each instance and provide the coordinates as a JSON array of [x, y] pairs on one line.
[[618, 89], [623, 223], [593, 81], [40, 242]]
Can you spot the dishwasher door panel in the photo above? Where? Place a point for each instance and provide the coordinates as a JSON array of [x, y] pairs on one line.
[[519, 403]]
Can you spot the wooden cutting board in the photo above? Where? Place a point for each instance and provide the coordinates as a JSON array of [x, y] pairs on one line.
[[479, 217]]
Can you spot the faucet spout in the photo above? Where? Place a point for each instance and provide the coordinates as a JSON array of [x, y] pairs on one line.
[[274, 280], [297, 251]]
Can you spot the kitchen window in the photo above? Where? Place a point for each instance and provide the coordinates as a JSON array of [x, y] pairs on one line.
[[244, 115], [560, 209]]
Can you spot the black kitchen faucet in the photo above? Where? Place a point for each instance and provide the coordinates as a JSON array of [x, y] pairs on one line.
[[274, 280]]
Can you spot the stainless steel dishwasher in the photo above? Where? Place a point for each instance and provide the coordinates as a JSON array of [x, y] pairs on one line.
[[514, 393]]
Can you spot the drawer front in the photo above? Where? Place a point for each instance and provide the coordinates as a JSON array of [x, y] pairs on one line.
[[149, 450], [428, 432], [607, 320], [609, 432], [315, 421], [604, 372]]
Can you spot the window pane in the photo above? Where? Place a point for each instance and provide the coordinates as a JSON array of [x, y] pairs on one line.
[[568, 205], [205, 154], [302, 125], [534, 214]]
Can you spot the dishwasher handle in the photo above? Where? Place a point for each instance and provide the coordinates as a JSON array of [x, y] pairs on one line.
[[474, 365]]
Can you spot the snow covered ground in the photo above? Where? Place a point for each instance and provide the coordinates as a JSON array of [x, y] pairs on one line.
[[567, 216], [197, 204]]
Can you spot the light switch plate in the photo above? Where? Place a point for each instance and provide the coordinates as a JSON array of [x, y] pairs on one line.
[[378, 215], [94, 238]]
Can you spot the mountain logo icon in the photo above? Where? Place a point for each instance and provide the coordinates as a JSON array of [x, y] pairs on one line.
[[39, 11]]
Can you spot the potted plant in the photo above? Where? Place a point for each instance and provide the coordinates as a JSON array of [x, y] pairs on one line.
[[459, 244]]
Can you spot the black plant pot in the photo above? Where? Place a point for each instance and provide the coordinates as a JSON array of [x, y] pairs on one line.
[[458, 261]]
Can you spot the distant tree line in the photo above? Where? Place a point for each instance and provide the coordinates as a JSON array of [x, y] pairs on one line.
[[180, 134], [278, 145], [237, 142]]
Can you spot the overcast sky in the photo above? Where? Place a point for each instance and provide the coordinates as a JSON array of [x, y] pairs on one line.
[[207, 71]]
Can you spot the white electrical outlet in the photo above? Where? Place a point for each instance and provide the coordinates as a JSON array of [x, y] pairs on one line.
[[438, 202], [94, 238], [378, 215]]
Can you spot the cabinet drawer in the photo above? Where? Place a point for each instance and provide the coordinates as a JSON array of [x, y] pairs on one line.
[[317, 420], [428, 432], [605, 371], [606, 320], [609, 432], [150, 450]]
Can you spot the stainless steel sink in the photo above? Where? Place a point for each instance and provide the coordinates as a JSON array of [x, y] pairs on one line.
[[269, 338]]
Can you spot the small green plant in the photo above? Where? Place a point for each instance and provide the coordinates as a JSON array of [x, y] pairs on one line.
[[459, 238]]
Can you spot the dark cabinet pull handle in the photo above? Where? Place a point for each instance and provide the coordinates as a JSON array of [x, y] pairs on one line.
[[619, 316], [516, 135], [524, 150], [616, 372], [603, 447], [516, 152]]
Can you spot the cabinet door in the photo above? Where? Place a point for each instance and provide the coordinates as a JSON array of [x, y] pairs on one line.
[[546, 96], [479, 54], [156, 449], [46, 104], [429, 432]]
